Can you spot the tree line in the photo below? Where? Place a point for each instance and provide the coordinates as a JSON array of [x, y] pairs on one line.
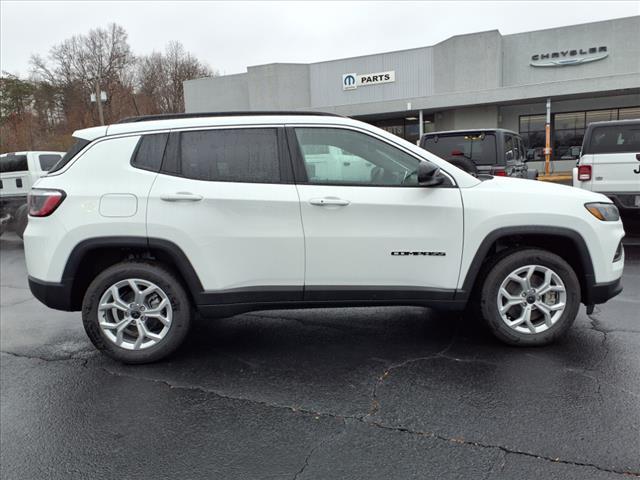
[[63, 91]]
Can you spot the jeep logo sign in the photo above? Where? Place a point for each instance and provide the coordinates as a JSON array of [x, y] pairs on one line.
[[568, 57], [351, 81]]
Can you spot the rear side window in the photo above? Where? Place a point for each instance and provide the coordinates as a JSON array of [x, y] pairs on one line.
[[148, 154], [48, 160], [71, 153], [230, 155], [478, 147], [13, 163], [615, 139]]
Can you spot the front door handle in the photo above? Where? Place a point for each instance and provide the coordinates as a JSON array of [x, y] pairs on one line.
[[329, 201], [181, 197]]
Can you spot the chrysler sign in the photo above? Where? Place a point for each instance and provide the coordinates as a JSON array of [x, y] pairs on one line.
[[563, 58], [351, 81]]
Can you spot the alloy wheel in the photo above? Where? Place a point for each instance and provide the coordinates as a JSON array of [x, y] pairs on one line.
[[135, 314], [531, 299]]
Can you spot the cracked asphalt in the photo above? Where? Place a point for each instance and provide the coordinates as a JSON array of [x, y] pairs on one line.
[[354, 393]]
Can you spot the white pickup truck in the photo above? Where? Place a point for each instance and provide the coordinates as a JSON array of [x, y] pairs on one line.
[[610, 163], [18, 172]]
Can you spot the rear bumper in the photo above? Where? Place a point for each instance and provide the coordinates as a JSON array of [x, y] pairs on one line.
[[601, 292], [53, 295]]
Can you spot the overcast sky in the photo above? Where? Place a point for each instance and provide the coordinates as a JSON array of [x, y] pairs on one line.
[[230, 36]]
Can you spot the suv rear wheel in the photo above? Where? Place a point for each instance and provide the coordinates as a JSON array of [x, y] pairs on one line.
[[530, 297], [136, 312]]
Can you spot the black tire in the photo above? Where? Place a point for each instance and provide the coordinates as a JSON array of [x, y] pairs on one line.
[[170, 285], [499, 272], [21, 220]]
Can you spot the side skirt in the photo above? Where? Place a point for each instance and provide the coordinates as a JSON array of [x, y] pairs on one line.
[[235, 301]]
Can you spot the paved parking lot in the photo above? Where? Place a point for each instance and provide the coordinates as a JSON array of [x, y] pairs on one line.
[[359, 393]]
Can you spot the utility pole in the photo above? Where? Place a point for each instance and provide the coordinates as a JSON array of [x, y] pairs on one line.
[[99, 102], [547, 145]]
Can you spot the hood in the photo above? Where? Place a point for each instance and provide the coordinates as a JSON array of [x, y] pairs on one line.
[[519, 187]]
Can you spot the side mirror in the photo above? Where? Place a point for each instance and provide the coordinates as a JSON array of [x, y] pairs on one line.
[[429, 175]]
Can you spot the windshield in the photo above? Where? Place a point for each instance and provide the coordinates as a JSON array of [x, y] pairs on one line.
[[478, 147]]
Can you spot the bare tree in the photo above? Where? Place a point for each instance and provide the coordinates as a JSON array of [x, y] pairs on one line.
[[41, 112], [161, 75], [95, 62]]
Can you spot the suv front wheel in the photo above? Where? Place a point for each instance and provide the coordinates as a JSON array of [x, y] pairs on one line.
[[136, 312], [530, 297]]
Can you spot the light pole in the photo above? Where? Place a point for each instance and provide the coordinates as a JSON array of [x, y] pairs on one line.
[[547, 142], [99, 97]]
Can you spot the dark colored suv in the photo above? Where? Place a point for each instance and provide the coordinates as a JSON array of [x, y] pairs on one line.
[[483, 151]]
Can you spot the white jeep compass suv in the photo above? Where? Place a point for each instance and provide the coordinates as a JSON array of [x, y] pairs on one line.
[[150, 219]]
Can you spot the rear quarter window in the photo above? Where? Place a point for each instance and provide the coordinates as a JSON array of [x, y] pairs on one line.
[[149, 152], [615, 139], [79, 145]]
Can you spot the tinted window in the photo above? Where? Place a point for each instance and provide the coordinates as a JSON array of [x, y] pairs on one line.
[[48, 160], [478, 147], [13, 163], [615, 139], [238, 155], [337, 156], [148, 154], [72, 152], [508, 148]]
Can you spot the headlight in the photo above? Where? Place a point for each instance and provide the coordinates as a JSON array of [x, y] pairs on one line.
[[607, 212]]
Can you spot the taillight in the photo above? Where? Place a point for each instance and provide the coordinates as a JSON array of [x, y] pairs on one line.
[[43, 202], [584, 173], [500, 172]]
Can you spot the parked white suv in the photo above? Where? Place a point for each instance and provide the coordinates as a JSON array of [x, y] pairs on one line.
[[154, 218], [610, 163]]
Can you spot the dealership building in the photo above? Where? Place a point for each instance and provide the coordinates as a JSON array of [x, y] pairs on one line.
[[589, 72]]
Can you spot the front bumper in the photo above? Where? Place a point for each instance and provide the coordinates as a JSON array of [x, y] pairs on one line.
[[601, 292]]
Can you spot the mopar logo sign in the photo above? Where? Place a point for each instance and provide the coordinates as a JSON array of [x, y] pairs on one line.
[[351, 81], [569, 57]]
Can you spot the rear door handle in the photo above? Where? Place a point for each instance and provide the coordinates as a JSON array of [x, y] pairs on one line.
[[181, 197], [329, 201]]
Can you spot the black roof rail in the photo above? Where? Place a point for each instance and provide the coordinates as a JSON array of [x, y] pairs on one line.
[[173, 116]]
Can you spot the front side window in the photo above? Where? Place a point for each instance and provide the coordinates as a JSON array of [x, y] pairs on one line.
[[48, 160], [479, 147], [228, 155], [508, 148], [345, 157]]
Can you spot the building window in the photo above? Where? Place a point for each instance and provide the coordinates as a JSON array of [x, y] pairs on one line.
[[405, 127], [533, 136], [567, 130], [629, 113]]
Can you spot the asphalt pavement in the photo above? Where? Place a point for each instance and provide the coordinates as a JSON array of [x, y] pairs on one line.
[[366, 393]]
